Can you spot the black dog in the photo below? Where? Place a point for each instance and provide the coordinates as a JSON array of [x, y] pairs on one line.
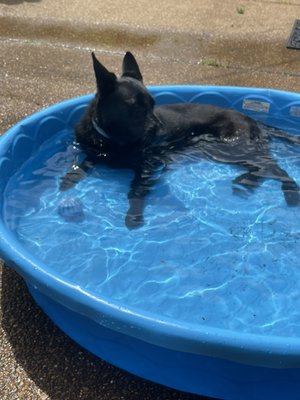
[[122, 127]]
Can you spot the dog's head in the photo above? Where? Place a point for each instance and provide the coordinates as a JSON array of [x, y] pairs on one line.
[[124, 108]]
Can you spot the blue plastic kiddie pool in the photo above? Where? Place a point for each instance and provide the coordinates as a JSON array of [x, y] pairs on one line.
[[205, 297]]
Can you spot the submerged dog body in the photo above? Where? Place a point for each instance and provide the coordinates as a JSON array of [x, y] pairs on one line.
[[123, 128]]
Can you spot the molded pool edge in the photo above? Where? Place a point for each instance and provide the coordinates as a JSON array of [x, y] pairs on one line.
[[252, 349]]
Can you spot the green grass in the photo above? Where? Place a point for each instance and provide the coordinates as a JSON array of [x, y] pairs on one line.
[[214, 62], [241, 9]]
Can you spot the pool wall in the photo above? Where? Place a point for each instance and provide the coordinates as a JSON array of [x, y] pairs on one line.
[[194, 373]]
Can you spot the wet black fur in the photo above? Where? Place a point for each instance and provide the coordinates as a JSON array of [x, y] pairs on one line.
[[143, 136]]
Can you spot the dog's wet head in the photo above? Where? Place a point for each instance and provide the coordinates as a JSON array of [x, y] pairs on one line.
[[124, 108]]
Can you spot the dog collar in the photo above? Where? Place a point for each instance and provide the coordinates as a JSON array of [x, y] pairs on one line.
[[99, 130]]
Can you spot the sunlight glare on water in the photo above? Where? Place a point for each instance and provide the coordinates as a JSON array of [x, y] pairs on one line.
[[204, 256]]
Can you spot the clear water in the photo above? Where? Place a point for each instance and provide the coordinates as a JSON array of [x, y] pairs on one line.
[[204, 255]]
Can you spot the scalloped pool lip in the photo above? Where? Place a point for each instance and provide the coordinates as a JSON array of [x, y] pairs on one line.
[[252, 349]]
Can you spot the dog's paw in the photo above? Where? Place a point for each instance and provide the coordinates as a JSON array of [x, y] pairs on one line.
[[291, 193], [134, 221], [242, 191], [70, 180], [65, 184], [292, 198]]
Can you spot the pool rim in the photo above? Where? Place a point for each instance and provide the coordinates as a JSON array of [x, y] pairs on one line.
[[246, 348]]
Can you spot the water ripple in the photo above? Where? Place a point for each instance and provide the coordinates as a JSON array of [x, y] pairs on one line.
[[204, 255]]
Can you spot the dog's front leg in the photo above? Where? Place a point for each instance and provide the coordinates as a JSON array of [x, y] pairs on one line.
[[134, 217], [76, 174], [144, 179]]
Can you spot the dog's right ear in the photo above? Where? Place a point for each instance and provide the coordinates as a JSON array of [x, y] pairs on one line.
[[130, 67], [105, 79]]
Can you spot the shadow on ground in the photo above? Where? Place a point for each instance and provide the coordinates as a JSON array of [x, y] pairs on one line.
[[57, 365]]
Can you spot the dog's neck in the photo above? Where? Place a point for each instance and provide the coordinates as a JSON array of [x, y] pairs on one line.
[[99, 130]]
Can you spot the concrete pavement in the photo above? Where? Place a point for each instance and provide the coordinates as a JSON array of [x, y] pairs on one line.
[[44, 58]]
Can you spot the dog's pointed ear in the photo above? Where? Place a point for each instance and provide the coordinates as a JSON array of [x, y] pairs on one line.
[[130, 67], [105, 79]]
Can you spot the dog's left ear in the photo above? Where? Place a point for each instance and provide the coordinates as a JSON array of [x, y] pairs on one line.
[[130, 67]]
